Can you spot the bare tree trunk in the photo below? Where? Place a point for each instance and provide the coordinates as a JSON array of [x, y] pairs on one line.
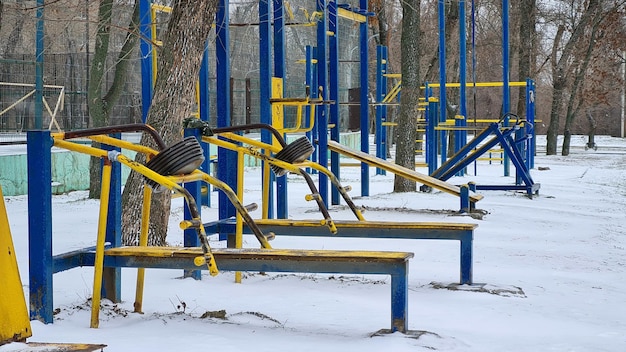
[[561, 72], [100, 106], [580, 72], [410, 44], [179, 64]]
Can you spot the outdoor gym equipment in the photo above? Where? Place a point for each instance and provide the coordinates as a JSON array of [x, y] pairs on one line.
[[286, 155], [479, 145], [467, 201], [361, 228], [114, 256]]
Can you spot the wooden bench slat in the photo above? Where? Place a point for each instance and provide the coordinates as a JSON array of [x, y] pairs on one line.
[[372, 224], [400, 171], [260, 254]]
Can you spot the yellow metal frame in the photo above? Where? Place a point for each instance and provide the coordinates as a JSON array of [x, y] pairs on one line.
[[261, 150], [172, 183], [279, 102]]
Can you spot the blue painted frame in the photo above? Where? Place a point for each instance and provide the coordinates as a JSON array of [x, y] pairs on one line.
[[39, 163], [381, 110]]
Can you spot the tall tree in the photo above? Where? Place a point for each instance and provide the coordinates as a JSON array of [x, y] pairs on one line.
[[410, 44], [100, 102], [179, 64], [579, 68], [562, 58]]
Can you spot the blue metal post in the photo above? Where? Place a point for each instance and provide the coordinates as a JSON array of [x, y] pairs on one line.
[[431, 134], [265, 85], [530, 128], [205, 199], [40, 225], [39, 66], [282, 204], [227, 166], [467, 270], [365, 173], [322, 111], [190, 236], [333, 87], [505, 74], [145, 47], [460, 136], [442, 79], [399, 299], [112, 277], [381, 110]]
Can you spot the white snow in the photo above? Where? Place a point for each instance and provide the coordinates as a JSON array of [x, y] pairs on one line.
[[565, 249]]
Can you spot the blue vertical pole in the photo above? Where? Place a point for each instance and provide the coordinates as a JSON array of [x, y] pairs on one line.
[[282, 204], [227, 166], [190, 236], [530, 128], [145, 47], [460, 137], [505, 74], [322, 111], [442, 78], [431, 134], [39, 66], [40, 225], [205, 199], [365, 188], [381, 110], [112, 277], [333, 87], [265, 84]]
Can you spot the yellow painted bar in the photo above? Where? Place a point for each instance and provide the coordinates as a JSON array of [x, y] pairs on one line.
[[278, 116], [238, 218], [343, 13], [393, 93], [124, 144], [192, 252], [267, 178], [161, 8], [14, 320], [265, 156], [372, 224], [401, 171], [169, 183], [98, 265], [63, 347], [478, 84], [143, 241], [303, 61]]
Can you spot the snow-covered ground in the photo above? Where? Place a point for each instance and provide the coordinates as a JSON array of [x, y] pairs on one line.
[[565, 250]]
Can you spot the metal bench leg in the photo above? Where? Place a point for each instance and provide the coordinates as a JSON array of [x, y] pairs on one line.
[[466, 261], [399, 298]]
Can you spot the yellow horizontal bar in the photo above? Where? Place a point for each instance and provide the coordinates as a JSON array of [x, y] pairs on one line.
[[393, 75], [251, 253], [478, 84], [303, 61], [162, 8], [343, 13]]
